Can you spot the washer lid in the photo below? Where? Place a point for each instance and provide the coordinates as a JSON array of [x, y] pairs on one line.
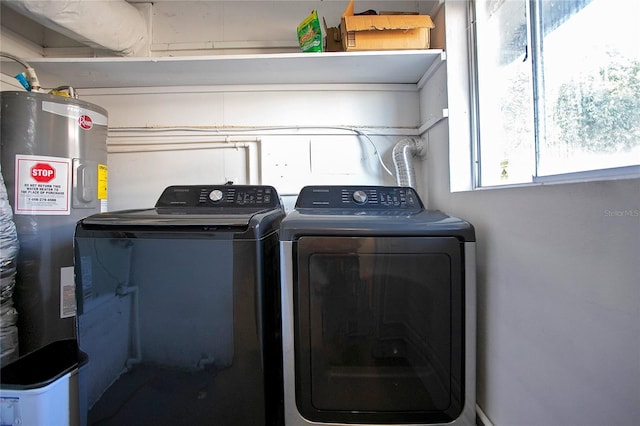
[[198, 205]]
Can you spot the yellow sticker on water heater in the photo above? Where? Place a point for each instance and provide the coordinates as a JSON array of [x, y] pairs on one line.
[[102, 181]]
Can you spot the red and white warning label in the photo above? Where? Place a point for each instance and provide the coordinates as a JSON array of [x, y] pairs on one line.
[[43, 185]]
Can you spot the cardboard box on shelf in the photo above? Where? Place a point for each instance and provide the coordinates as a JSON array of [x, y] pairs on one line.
[[332, 38], [384, 32]]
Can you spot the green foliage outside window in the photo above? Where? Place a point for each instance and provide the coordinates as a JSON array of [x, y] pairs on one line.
[[600, 112]]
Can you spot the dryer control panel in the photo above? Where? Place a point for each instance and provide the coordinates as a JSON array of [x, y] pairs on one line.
[[385, 198], [208, 196]]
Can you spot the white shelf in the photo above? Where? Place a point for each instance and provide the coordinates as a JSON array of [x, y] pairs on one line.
[[380, 67]]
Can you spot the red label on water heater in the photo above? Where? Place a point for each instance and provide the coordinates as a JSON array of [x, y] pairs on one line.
[[43, 172], [85, 122]]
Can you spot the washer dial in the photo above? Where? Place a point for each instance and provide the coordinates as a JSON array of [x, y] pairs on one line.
[[360, 197], [215, 195]]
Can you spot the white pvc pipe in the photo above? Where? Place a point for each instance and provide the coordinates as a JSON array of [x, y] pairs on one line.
[[113, 25], [135, 296], [252, 152]]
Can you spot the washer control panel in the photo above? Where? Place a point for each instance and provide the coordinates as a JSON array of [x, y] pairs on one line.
[[387, 198], [230, 196]]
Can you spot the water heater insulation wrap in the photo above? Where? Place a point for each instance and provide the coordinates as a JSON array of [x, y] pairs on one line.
[[8, 253], [54, 164]]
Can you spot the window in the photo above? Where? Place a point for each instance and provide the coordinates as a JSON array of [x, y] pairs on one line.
[[557, 89]]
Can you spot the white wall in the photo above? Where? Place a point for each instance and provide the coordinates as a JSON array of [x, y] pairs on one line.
[[181, 136], [558, 284], [558, 298]]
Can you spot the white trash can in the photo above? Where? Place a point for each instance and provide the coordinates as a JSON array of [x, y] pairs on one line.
[[41, 388]]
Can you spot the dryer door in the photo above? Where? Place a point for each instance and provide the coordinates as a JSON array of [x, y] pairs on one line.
[[379, 329]]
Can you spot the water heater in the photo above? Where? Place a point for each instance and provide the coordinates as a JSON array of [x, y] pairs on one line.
[[54, 164]]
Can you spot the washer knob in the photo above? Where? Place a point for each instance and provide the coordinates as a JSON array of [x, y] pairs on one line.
[[215, 195], [360, 197]]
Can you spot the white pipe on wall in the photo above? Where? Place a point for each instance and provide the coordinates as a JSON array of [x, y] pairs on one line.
[[252, 151], [113, 25]]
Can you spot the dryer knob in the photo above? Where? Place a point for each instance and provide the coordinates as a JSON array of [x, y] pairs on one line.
[[215, 195], [360, 197]]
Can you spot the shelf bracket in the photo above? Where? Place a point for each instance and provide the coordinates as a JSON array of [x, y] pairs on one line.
[[427, 125], [431, 70]]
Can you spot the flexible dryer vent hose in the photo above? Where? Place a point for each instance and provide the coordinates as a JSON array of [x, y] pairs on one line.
[[403, 153]]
